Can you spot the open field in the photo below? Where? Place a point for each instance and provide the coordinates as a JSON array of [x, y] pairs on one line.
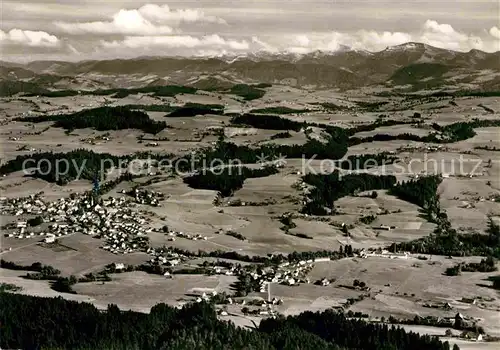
[[81, 254], [135, 291]]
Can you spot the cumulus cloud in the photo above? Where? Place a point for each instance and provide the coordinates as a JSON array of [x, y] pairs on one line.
[[123, 22], [375, 40], [29, 38], [443, 35], [177, 41], [495, 32], [302, 40], [149, 19]]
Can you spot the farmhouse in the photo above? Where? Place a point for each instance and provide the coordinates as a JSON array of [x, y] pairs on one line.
[[50, 239]]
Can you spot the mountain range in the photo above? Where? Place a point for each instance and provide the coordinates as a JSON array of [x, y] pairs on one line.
[[411, 66]]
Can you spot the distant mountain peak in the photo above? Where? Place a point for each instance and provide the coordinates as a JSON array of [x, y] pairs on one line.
[[409, 46]]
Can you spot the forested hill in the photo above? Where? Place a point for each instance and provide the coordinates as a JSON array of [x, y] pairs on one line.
[[54, 323]]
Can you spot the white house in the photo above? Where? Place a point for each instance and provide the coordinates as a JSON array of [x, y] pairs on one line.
[[119, 266]]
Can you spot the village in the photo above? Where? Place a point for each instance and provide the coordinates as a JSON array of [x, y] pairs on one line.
[[124, 229]]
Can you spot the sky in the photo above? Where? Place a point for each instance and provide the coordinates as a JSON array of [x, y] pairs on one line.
[[90, 29]]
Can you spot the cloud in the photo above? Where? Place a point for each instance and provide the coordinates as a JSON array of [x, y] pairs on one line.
[[155, 30], [375, 40], [29, 38], [302, 40], [444, 36], [149, 19], [164, 13], [435, 27], [495, 32], [213, 41], [124, 22]]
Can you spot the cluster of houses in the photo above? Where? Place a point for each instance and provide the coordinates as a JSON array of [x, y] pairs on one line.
[[20, 230], [323, 282], [290, 274], [306, 190], [293, 273], [143, 196], [171, 235], [211, 295], [24, 205], [228, 271], [123, 229], [165, 256], [471, 203], [383, 254], [422, 148]]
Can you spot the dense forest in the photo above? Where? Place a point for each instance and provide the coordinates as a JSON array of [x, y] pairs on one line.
[[62, 168], [10, 88], [268, 122], [152, 108], [334, 148], [451, 243], [278, 110], [191, 111], [366, 161], [443, 134], [353, 141], [226, 180], [102, 118], [32, 322], [248, 92], [380, 122], [330, 187], [485, 265], [419, 191], [281, 135]]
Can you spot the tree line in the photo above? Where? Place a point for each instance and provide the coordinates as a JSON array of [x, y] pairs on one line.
[[485, 265], [248, 92], [279, 110], [170, 108], [194, 110], [267, 122], [443, 134], [62, 168], [102, 119], [33, 322], [334, 148], [330, 187], [227, 181]]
